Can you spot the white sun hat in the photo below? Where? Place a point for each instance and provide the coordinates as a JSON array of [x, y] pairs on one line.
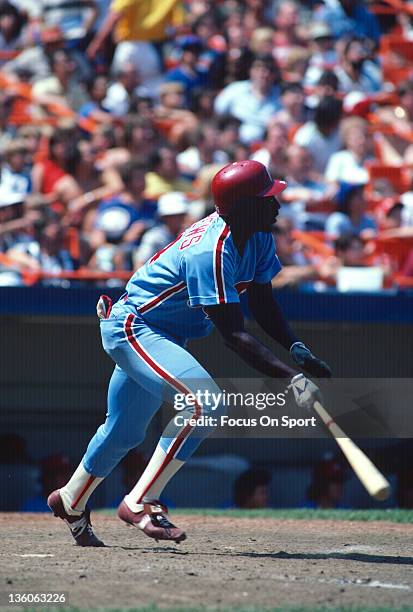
[[172, 203]]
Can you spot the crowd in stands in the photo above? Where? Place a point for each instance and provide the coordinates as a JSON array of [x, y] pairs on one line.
[[115, 115]]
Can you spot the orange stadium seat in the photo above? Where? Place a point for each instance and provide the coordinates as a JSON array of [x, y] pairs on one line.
[[397, 249], [315, 242], [399, 177]]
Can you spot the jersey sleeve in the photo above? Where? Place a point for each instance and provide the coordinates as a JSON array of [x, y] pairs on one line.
[[268, 264], [210, 277]]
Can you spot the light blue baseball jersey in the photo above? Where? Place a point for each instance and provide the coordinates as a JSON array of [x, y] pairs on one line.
[[202, 267]]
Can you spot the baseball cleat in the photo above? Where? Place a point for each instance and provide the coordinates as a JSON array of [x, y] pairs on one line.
[[153, 521], [80, 526]]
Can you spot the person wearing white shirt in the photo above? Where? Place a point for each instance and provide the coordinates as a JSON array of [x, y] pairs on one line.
[[321, 136], [254, 101], [348, 165]]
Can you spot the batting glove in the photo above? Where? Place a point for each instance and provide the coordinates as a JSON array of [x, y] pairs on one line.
[[311, 364], [103, 307], [305, 391]]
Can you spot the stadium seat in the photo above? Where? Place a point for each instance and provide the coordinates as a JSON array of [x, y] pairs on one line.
[[399, 177], [397, 249]]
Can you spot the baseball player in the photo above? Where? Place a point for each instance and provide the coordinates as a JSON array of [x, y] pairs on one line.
[[182, 292]]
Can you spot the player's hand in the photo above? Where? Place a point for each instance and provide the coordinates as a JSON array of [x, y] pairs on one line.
[[311, 364], [305, 391], [103, 307]]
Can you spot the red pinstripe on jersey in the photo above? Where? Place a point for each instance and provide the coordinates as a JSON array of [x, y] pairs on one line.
[[175, 383], [83, 491], [218, 265], [161, 297]]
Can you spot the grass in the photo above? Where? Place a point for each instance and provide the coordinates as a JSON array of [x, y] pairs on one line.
[[390, 515]]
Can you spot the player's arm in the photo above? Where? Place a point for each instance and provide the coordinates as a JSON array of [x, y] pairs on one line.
[[269, 316], [229, 320]]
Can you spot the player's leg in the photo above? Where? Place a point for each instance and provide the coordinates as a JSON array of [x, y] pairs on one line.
[[165, 368], [130, 409]]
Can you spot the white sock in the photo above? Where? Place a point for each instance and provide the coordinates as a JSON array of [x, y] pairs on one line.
[[78, 490], [145, 489]]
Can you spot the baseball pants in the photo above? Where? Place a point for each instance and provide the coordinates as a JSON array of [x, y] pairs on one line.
[[151, 367]]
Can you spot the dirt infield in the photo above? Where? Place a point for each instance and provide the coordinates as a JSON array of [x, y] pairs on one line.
[[225, 563]]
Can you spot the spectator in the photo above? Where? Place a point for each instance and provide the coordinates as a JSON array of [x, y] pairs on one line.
[[297, 268], [187, 71], [323, 53], [349, 250], [46, 251], [13, 222], [254, 101], [61, 87], [212, 58], [352, 217], [238, 56], [261, 42], [124, 218], [141, 138], [35, 59], [203, 104], [400, 117], [137, 26], [202, 204], [295, 65], [294, 112], [251, 489], [273, 152], [172, 211], [53, 177], [305, 190], [325, 86], [14, 173], [95, 109], [76, 18], [120, 93], [171, 113], [12, 22], [228, 131], [348, 17], [204, 150], [321, 135], [255, 15], [389, 213], [287, 35], [327, 487], [164, 174], [355, 71], [347, 166]]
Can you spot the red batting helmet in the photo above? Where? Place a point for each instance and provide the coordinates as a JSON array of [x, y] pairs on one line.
[[242, 180]]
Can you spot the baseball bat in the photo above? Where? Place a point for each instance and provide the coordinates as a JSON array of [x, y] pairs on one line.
[[372, 479]]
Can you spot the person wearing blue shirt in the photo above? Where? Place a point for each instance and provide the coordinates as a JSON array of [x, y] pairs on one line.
[[121, 220], [346, 17], [352, 217], [182, 292], [254, 101], [187, 71], [95, 108]]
